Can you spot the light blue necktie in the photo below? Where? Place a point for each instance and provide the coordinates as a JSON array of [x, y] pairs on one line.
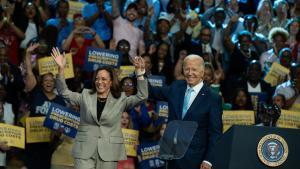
[[186, 101]]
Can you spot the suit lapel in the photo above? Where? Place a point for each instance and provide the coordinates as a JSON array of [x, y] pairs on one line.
[[93, 107], [198, 100], [181, 91]]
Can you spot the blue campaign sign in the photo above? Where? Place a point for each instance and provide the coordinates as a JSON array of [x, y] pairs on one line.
[[162, 109], [62, 118], [157, 81], [96, 57]]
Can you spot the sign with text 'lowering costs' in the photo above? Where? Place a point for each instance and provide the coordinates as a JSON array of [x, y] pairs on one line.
[[237, 117], [35, 131], [47, 64], [13, 135], [62, 118], [130, 140], [96, 57]]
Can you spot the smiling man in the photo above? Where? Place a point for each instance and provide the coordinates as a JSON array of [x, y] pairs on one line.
[[192, 100], [124, 28]]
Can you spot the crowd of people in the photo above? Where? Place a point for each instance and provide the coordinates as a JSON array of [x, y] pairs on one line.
[[238, 41]]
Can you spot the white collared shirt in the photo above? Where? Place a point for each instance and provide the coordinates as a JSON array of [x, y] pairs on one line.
[[196, 90]]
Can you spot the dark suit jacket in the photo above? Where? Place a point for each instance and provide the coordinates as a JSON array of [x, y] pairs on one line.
[[206, 110]]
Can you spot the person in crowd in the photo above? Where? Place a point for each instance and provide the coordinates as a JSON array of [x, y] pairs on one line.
[[285, 57], [241, 100], [161, 61], [290, 89], [205, 5], [278, 37], [240, 53], [6, 116], [10, 33], [217, 28], [126, 123], [295, 10], [128, 85], [97, 15], [63, 25], [264, 15], [123, 28], [10, 78], [77, 43], [100, 112], [259, 40], [281, 8], [123, 46], [192, 100], [253, 82], [201, 45], [148, 63], [30, 23], [41, 94], [293, 27], [194, 25], [296, 48], [279, 100], [268, 115], [153, 6]]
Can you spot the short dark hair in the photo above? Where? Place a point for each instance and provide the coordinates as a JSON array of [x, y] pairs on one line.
[[115, 88], [132, 5], [62, 1], [251, 17], [244, 33]]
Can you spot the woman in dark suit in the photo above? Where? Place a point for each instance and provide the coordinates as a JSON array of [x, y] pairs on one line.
[[99, 141]]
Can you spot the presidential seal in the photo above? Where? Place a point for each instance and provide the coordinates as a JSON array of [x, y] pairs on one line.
[[272, 150]]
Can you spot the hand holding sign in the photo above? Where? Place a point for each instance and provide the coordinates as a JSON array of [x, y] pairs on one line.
[[3, 146]]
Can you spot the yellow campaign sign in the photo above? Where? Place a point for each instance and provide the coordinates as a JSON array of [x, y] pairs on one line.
[[277, 74], [289, 119], [125, 71], [237, 117], [35, 131], [75, 8], [295, 107], [13, 135], [47, 64], [130, 141]]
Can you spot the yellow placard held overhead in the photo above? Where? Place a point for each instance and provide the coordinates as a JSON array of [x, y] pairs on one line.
[[237, 117], [75, 8], [289, 119], [126, 71], [130, 141], [35, 131], [13, 135], [277, 74], [47, 64]]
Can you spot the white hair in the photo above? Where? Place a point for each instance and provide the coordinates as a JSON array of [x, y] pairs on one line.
[[194, 57]]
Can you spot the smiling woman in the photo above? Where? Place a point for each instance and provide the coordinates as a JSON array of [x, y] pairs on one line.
[[39, 154], [99, 141]]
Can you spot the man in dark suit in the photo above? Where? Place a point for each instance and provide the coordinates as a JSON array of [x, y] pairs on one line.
[[192, 100]]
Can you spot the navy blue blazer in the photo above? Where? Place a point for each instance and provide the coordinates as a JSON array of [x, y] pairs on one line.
[[206, 110]]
